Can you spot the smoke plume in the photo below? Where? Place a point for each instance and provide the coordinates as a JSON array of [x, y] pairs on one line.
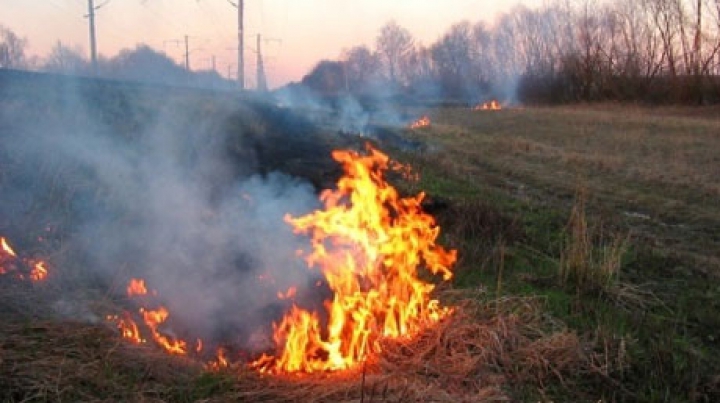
[[151, 191]]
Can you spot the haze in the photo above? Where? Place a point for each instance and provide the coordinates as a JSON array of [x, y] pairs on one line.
[[298, 33]]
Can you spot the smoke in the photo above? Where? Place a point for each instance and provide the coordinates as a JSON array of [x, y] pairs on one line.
[[376, 115], [153, 193]]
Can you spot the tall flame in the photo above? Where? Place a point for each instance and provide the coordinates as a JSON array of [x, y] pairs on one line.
[[370, 244]]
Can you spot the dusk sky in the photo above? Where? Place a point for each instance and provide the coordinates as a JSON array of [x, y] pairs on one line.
[[299, 33]]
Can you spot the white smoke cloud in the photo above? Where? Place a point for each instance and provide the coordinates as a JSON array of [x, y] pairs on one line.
[[165, 202]]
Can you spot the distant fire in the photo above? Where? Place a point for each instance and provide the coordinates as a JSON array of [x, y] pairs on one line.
[[22, 268], [370, 244], [492, 105], [422, 122]]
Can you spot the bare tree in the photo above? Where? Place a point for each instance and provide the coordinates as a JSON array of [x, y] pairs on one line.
[[453, 56], [12, 49], [666, 23], [63, 59], [485, 66], [394, 46], [362, 68]]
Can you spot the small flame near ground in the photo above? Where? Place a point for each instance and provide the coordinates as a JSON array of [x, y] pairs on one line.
[[152, 321], [492, 105], [424, 121], [22, 268], [371, 245]]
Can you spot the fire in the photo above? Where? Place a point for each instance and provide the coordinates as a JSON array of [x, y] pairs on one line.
[[289, 294], [153, 319], [492, 105], [34, 269], [128, 328], [136, 287], [6, 248], [39, 271], [370, 244], [422, 122]]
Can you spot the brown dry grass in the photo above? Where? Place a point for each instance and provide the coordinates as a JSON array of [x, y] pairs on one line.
[[588, 260], [485, 351], [655, 170], [634, 144]]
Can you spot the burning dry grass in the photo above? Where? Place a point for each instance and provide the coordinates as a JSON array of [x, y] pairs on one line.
[[484, 351], [479, 353]]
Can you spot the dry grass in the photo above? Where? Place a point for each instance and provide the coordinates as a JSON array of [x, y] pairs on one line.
[[650, 169], [56, 361], [589, 262], [485, 351]]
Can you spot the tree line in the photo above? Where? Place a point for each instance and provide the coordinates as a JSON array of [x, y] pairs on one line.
[[568, 51], [141, 64]]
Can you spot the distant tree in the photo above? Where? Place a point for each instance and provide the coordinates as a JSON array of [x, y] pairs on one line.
[[362, 68], [485, 65], [394, 45], [63, 59], [453, 57], [327, 77], [12, 49], [420, 71], [145, 64]]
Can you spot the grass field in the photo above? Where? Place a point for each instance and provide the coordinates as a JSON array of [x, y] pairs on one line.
[[589, 261], [647, 176]]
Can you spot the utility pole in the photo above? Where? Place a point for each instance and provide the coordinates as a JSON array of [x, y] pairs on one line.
[[260, 75], [93, 43], [187, 54], [230, 71], [241, 43]]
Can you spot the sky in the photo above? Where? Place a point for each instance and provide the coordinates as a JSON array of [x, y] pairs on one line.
[[296, 33]]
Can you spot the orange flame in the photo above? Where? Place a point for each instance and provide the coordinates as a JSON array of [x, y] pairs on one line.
[[289, 294], [34, 269], [6, 248], [128, 328], [422, 122], [136, 287], [492, 105], [370, 244], [39, 271], [153, 319]]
